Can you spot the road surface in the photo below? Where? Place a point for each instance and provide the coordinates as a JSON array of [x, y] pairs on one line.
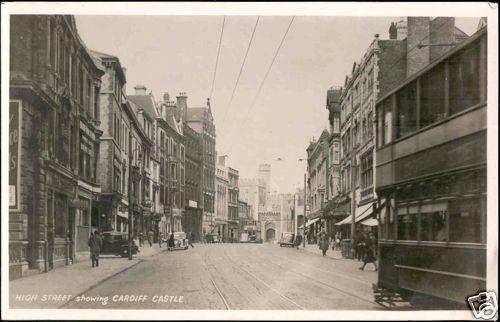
[[235, 277]]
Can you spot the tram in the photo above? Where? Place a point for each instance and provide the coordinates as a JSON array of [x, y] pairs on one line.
[[431, 178]]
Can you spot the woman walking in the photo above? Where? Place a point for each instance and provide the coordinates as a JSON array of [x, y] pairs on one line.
[[323, 242]]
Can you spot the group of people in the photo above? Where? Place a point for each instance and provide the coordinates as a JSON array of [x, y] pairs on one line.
[[364, 244], [95, 243]]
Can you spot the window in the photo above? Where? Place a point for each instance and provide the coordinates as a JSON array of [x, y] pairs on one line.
[[465, 221], [367, 170], [384, 122], [464, 80], [80, 84], [336, 156], [433, 222], [407, 222], [60, 215], [406, 102], [53, 44], [370, 81], [432, 98], [96, 103], [89, 96]]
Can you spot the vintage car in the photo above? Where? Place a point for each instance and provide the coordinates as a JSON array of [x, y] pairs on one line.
[[287, 239], [180, 241], [254, 239], [213, 238], [116, 243]]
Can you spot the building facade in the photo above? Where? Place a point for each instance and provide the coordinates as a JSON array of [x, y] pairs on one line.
[[222, 198], [144, 107], [54, 143], [201, 120], [232, 203], [385, 64], [317, 188], [253, 192], [172, 160], [193, 217]]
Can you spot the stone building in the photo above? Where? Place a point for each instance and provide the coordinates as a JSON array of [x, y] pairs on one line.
[[53, 143], [201, 120], [385, 64], [253, 192], [172, 156], [221, 198], [233, 207], [193, 217], [144, 107]]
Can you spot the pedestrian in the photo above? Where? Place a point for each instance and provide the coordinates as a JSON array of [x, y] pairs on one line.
[[150, 237], [191, 239], [171, 242], [95, 245], [338, 238], [323, 242], [141, 239], [160, 238], [298, 240], [369, 254]]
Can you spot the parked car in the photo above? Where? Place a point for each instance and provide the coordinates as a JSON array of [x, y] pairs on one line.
[[180, 240], [287, 239], [213, 238], [254, 239], [244, 238], [116, 243]]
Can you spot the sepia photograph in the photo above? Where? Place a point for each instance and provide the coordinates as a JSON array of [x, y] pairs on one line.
[[218, 161]]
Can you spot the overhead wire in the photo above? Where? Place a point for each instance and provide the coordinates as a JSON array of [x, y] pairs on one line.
[[241, 69], [217, 59]]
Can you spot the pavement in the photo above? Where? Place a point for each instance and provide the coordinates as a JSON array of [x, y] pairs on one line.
[[56, 287]]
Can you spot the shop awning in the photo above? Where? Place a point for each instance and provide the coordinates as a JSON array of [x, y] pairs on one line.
[[122, 214], [370, 222], [361, 213], [310, 222]]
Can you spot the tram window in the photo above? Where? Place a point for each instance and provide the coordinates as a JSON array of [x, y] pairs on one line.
[[406, 100], [464, 80], [407, 224], [433, 226], [432, 96], [465, 221]]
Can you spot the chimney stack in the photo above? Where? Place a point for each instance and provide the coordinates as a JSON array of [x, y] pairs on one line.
[[182, 107], [140, 90], [418, 32], [401, 29], [393, 31]]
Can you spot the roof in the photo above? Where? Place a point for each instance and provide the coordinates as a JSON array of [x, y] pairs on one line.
[[99, 57], [145, 102], [195, 113]]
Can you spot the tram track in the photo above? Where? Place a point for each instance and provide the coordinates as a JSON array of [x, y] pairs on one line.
[[317, 281]]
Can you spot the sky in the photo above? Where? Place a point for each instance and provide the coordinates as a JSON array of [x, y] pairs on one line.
[[178, 53]]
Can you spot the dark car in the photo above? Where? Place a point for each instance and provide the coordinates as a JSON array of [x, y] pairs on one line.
[[213, 238], [116, 243], [287, 239]]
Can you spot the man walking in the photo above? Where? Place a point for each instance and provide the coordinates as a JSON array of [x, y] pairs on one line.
[[298, 240], [191, 239], [160, 238], [95, 245], [369, 253], [150, 237], [323, 242]]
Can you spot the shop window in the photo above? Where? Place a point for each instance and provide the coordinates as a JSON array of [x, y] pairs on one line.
[[406, 100], [464, 80], [432, 96], [465, 221], [407, 223], [433, 222]]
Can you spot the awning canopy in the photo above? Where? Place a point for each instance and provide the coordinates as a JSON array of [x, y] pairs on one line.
[[370, 222], [122, 214], [310, 222], [337, 208], [361, 213]]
